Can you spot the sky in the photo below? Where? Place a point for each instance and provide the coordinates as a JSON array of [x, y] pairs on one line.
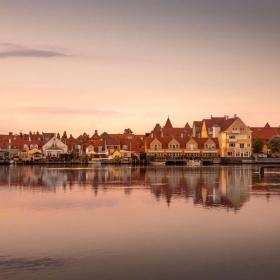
[[112, 64]]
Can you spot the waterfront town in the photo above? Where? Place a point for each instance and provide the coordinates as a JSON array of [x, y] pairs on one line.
[[208, 141]]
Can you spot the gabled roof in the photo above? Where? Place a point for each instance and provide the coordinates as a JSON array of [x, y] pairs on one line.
[[187, 126], [227, 123], [267, 125], [214, 121]]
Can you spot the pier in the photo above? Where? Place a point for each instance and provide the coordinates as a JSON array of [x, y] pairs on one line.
[[262, 168]]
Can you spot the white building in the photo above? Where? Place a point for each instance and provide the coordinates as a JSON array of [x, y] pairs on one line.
[[54, 148]]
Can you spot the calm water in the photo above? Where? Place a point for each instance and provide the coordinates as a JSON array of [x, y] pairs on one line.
[[139, 223]]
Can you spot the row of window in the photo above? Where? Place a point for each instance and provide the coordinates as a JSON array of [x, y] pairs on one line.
[[177, 146], [32, 146], [232, 137], [238, 154], [240, 145], [186, 155]]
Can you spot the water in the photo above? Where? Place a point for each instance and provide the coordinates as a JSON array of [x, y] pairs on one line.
[[139, 223]]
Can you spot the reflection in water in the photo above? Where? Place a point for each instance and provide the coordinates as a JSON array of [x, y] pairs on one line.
[[209, 186], [8, 263], [120, 222]]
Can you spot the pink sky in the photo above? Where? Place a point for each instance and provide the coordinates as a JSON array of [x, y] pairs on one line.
[[108, 66]]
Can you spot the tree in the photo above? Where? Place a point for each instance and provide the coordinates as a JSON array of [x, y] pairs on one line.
[[86, 136], [127, 131], [64, 136], [274, 144], [257, 146]]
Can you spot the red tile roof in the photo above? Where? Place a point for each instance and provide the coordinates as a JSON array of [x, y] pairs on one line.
[[265, 133]]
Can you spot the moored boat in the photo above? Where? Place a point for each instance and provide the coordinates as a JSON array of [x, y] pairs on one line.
[[157, 163]]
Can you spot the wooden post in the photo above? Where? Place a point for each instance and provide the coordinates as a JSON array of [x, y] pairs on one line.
[[262, 171]]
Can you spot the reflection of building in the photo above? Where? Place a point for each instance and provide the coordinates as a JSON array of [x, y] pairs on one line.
[[208, 186], [231, 189]]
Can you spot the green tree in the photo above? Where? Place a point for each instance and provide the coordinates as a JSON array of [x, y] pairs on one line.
[[274, 144], [64, 136], [127, 131], [257, 146]]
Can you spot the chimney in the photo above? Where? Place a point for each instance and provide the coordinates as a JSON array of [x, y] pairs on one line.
[[235, 116], [10, 133]]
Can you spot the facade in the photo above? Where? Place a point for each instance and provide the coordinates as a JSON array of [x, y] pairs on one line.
[[235, 139], [168, 142], [54, 148], [234, 136], [181, 148]]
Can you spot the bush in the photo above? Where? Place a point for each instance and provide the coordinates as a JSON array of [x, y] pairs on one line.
[[257, 146]]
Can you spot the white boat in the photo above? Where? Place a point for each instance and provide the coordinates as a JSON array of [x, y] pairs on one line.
[[193, 163]]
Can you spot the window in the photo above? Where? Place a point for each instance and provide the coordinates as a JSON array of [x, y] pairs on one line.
[[242, 146], [232, 145], [173, 146], [156, 146], [229, 154], [231, 137]]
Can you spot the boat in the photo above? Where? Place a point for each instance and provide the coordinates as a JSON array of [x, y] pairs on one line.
[[193, 163], [160, 163]]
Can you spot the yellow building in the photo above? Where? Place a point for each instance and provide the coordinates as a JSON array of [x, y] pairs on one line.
[[235, 137]]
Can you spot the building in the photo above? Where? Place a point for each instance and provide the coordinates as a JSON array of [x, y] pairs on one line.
[[234, 136], [54, 148], [196, 128], [124, 146], [168, 142], [16, 145], [265, 134]]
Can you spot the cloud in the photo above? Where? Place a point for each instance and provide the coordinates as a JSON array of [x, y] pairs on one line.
[[65, 111], [9, 50]]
